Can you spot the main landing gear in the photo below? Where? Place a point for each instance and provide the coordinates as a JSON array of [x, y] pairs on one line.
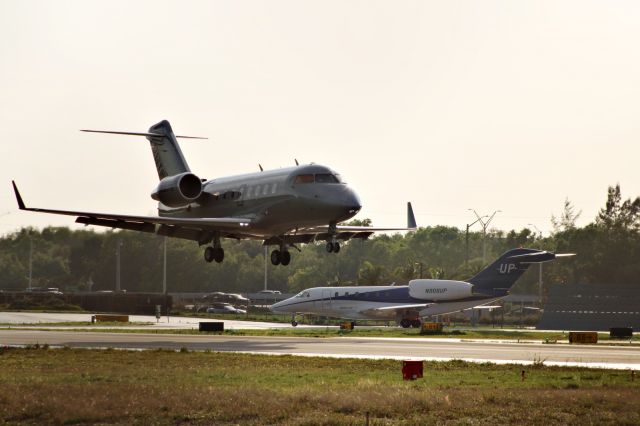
[[280, 257], [294, 323], [406, 323], [214, 253]]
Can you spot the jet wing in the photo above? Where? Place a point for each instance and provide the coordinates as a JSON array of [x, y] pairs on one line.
[[347, 231], [398, 309], [189, 228], [405, 306]]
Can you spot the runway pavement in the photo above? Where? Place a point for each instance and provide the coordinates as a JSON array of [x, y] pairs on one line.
[[394, 348], [179, 322]]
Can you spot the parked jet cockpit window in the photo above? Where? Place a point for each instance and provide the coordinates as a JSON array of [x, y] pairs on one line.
[[303, 179], [326, 178]]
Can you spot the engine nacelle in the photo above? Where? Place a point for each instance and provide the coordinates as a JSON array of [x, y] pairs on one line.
[[439, 289], [178, 190]]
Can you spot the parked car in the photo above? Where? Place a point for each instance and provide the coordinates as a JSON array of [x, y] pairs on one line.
[[266, 292], [234, 299], [224, 308]]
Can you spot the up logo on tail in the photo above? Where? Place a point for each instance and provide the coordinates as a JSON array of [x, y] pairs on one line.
[[506, 268]]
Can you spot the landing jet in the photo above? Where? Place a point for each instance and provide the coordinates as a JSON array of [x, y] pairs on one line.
[[282, 207], [408, 304]]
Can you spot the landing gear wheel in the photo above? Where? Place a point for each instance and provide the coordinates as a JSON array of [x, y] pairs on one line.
[[275, 257], [329, 247], [336, 247], [416, 323], [285, 257], [209, 254], [294, 323], [218, 254], [405, 323]]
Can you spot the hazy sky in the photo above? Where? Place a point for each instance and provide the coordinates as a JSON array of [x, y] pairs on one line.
[[506, 105]]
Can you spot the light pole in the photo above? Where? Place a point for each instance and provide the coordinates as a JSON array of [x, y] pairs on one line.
[[164, 267], [266, 251], [485, 225], [466, 239], [30, 262], [419, 264], [118, 246], [539, 269]]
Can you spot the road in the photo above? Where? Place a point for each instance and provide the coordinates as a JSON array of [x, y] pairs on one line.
[[165, 322], [352, 347]]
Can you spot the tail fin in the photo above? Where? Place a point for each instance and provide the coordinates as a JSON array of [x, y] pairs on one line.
[[497, 278], [164, 146], [166, 151]]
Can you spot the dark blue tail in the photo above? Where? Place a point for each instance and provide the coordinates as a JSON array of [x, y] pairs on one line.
[[497, 278]]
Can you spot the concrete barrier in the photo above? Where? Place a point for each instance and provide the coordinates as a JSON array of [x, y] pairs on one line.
[[583, 337], [111, 318]]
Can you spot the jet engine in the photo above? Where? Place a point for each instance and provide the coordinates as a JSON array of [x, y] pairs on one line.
[[439, 289], [178, 190]]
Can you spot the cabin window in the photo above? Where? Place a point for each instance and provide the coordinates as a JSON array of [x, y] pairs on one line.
[[336, 294], [273, 188], [303, 179], [248, 193], [326, 178], [265, 190], [258, 191], [346, 293]]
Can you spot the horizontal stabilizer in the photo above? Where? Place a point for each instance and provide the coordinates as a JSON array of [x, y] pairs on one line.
[[538, 257], [138, 134]]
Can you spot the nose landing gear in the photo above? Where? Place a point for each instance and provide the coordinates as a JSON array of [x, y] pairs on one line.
[[333, 247]]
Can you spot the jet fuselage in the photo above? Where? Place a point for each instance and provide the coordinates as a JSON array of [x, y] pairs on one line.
[[276, 201]]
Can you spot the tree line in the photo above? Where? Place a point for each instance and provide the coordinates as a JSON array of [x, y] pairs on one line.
[[608, 251]]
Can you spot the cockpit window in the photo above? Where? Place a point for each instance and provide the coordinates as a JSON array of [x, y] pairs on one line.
[[326, 178], [303, 179], [303, 294]]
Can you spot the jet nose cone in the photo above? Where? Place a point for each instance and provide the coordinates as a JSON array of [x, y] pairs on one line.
[[276, 307], [352, 202]]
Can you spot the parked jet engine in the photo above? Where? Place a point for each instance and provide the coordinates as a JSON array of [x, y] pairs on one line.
[[439, 289], [178, 190]]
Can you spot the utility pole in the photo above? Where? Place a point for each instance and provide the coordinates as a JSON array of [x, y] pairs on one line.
[[164, 267], [118, 246], [419, 264], [540, 292], [30, 262], [485, 225], [466, 238], [266, 252]]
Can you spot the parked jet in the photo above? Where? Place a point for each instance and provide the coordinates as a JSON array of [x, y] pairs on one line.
[[407, 304], [282, 207]]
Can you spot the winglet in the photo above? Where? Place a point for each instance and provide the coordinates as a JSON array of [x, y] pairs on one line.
[[411, 219], [18, 197]]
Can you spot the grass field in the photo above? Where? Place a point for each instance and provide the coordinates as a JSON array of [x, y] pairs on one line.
[[77, 386]]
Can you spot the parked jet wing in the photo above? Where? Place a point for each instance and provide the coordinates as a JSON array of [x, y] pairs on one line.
[[406, 306], [189, 228]]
